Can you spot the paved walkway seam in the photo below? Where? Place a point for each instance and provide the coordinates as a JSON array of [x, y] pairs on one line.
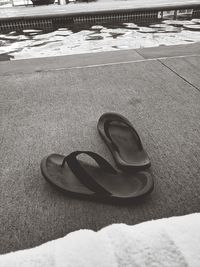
[[198, 89], [92, 65]]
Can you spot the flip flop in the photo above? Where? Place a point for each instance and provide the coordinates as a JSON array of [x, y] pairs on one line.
[[123, 141], [80, 179]]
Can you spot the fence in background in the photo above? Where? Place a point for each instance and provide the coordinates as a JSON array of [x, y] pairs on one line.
[[138, 17]]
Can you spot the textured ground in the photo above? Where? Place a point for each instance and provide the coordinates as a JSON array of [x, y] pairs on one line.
[[45, 109]]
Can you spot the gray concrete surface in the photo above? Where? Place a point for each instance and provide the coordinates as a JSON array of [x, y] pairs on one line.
[[70, 61], [57, 111], [186, 67], [93, 59], [170, 51]]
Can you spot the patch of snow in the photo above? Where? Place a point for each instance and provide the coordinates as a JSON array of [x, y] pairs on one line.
[[66, 41]]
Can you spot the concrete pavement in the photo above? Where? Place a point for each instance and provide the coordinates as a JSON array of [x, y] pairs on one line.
[[100, 58], [54, 107]]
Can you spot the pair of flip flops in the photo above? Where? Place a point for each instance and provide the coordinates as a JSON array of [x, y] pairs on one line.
[[103, 182]]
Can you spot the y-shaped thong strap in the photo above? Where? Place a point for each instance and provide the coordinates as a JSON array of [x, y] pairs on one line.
[[84, 177]]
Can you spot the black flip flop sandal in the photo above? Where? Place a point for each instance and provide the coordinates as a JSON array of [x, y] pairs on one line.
[[123, 141], [103, 182]]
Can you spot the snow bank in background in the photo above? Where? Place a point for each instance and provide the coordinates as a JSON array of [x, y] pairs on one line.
[[97, 38]]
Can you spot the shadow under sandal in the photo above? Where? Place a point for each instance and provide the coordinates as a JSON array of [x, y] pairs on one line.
[[123, 141], [98, 182]]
